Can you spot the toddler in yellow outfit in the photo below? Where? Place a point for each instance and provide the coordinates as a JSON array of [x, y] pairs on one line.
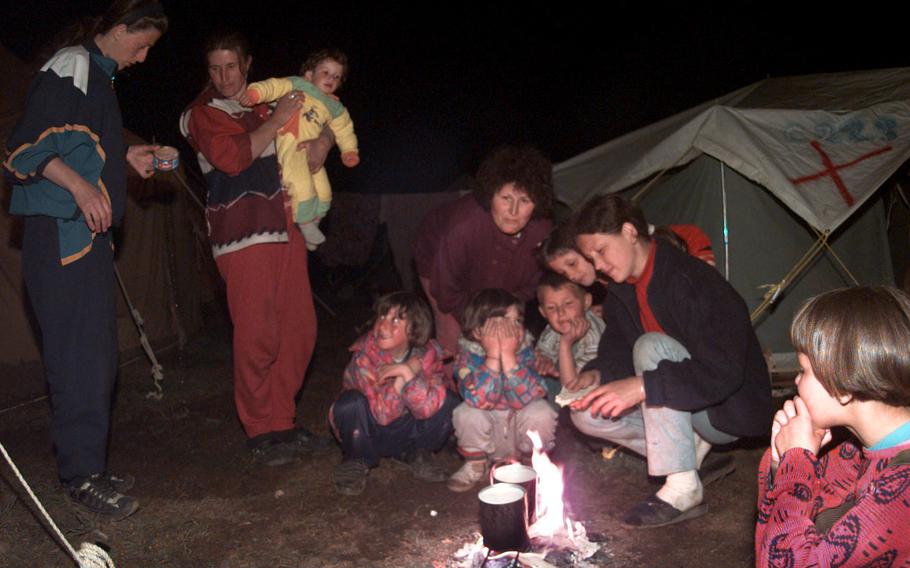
[[311, 194]]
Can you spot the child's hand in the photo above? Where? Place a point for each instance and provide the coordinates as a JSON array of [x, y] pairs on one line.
[[489, 338], [510, 336], [390, 372], [793, 428], [350, 159], [578, 327], [249, 97], [545, 366], [582, 380]]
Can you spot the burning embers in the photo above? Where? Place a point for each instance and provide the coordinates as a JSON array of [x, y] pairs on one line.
[[552, 530]]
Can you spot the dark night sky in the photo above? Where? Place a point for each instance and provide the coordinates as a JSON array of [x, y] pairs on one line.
[[432, 88]]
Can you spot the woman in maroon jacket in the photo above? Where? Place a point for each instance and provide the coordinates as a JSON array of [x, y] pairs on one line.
[[487, 239]]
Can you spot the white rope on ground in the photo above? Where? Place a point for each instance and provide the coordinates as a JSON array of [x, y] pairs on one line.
[[89, 555]]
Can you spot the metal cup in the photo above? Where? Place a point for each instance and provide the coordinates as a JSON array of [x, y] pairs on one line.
[[504, 517], [522, 475]]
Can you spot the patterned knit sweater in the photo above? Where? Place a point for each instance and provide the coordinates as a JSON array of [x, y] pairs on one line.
[[483, 388], [423, 396], [875, 531], [246, 203]]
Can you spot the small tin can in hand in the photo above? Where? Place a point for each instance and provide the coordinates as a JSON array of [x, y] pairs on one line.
[[166, 158]]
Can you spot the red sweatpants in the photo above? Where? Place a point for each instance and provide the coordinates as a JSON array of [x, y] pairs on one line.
[[271, 305]]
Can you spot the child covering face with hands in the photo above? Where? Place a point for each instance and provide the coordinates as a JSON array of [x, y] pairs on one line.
[[847, 506], [504, 396]]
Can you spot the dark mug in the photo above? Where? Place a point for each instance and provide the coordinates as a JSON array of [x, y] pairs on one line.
[[504, 517]]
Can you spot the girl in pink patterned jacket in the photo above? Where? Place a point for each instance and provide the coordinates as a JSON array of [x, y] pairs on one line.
[[850, 505], [395, 401]]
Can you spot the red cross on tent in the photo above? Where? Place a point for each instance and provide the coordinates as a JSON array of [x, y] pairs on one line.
[[831, 169]]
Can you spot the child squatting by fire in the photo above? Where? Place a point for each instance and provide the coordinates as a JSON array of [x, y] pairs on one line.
[[394, 401], [850, 505], [573, 330], [323, 73], [504, 396]]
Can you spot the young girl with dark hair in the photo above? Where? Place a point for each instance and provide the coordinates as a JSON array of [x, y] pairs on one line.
[[846, 506], [679, 366], [394, 401], [504, 396]]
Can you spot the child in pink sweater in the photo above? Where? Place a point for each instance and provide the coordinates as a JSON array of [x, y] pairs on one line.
[[394, 400], [850, 505]]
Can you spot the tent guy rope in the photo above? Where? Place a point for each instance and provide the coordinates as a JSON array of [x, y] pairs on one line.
[[89, 555]]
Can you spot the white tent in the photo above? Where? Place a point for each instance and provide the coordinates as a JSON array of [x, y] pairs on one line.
[[820, 144]]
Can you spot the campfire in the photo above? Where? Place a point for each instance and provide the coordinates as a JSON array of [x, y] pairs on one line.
[[554, 534]]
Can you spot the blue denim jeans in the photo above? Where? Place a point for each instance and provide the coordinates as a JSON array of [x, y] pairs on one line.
[[363, 438], [665, 436]]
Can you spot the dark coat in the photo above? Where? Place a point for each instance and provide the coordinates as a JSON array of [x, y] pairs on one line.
[[726, 375]]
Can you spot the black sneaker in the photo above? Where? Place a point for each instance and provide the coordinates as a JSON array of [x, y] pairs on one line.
[[270, 452], [97, 495], [302, 440], [120, 484], [350, 477]]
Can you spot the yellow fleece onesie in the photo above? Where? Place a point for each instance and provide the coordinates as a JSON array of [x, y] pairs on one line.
[[311, 193]]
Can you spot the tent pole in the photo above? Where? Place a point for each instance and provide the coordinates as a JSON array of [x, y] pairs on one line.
[[774, 290], [653, 181], [838, 259], [900, 191], [723, 192]]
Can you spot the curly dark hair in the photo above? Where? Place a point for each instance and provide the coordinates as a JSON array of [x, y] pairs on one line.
[[313, 60], [524, 166]]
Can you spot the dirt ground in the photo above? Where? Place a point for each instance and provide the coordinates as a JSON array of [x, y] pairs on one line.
[[204, 503]]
